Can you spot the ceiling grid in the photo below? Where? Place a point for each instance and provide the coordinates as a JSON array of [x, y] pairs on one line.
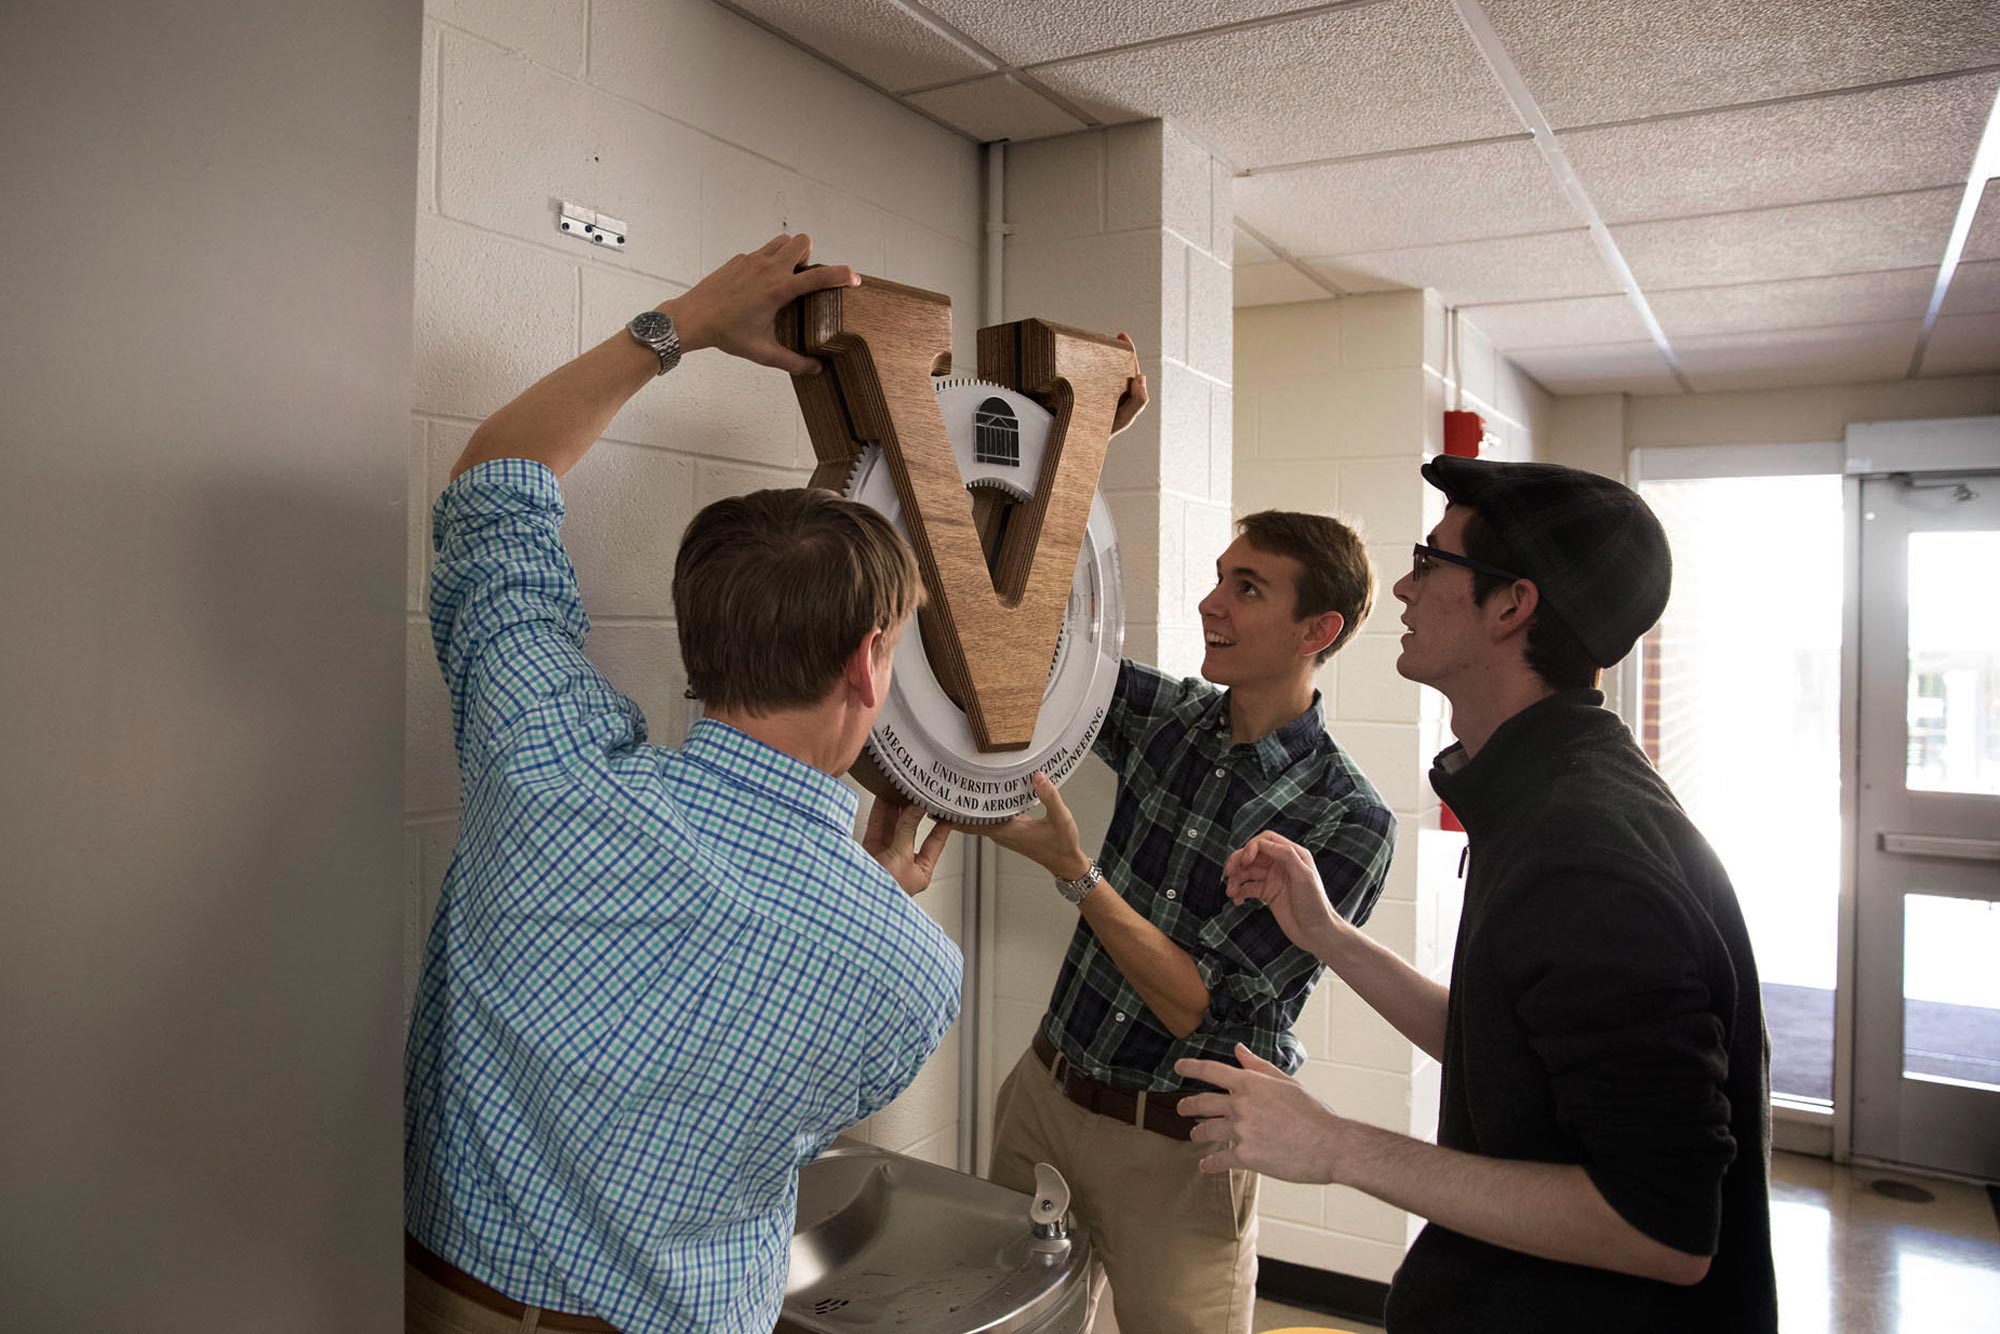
[[1763, 190]]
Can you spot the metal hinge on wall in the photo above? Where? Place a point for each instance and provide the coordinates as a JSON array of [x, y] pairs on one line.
[[587, 224]]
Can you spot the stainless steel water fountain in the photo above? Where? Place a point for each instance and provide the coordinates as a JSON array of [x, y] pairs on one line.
[[886, 1242]]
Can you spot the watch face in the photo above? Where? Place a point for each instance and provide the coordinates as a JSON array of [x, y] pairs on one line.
[[651, 326]]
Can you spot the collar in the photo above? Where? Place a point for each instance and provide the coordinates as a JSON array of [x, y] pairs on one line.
[[1517, 760], [746, 760], [1207, 717]]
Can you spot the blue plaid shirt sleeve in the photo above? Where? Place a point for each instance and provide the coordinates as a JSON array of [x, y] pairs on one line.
[[659, 980], [1247, 962], [507, 620]]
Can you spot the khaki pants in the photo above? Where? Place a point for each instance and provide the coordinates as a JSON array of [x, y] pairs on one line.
[[1178, 1246]]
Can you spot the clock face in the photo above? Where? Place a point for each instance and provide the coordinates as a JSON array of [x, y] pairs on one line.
[[923, 743], [652, 326]]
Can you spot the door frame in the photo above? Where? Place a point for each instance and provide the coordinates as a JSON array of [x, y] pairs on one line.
[[1955, 447], [1867, 449], [1878, 449]]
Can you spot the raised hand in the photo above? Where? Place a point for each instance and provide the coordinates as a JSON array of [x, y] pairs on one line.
[[891, 839], [1133, 401], [735, 308], [1049, 840], [1272, 868]]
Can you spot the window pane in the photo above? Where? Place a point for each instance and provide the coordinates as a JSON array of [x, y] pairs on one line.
[[1742, 696], [1951, 993], [1954, 702]]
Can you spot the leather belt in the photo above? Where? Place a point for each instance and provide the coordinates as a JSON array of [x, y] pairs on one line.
[[448, 1275], [1118, 1104]]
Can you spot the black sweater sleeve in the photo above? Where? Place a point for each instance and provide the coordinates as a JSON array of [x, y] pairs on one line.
[[1611, 989]]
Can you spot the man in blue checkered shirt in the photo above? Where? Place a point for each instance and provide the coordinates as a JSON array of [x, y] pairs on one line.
[[659, 981], [1162, 965]]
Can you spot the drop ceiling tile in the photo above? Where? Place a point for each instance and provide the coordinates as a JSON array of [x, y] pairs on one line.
[[1361, 80], [1599, 368], [997, 108], [1408, 199], [1984, 240], [1027, 31], [877, 39], [1570, 323], [1796, 358], [1270, 284], [1590, 61], [1964, 345], [1469, 273], [1974, 290], [1887, 139], [1249, 250], [1798, 303], [1807, 240]]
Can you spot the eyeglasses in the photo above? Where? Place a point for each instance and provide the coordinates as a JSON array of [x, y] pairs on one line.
[[1424, 558]]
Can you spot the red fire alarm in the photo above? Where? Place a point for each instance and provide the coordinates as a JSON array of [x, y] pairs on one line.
[[1462, 433]]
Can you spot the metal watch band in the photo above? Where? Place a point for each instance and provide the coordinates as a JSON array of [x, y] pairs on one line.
[[1077, 890], [655, 329]]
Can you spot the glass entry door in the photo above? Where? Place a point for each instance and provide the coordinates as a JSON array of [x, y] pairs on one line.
[[1739, 709], [1927, 866]]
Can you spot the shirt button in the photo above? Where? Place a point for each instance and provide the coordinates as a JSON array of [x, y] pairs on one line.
[[1191, 833], [1172, 894], [1222, 773], [1119, 1017]]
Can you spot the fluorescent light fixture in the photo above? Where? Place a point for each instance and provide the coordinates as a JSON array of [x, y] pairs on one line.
[[1985, 166]]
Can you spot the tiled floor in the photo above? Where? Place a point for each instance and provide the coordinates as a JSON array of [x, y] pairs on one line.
[[1850, 1257]]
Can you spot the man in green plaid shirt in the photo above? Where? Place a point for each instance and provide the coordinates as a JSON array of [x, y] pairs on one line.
[[1162, 965]]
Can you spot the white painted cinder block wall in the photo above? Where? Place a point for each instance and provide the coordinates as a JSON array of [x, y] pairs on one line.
[[706, 135], [1121, 230], [1338, 403]]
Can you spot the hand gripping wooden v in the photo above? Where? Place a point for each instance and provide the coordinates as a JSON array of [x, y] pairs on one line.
[[990, 634]]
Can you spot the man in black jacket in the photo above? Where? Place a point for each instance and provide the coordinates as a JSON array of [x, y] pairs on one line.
[[1603, 1143]]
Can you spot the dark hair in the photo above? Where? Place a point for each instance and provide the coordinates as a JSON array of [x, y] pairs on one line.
[[1553, 651], [775, 589], [1336, 574]]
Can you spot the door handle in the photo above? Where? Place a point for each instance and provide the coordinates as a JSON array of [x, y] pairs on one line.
[[1937, 845]]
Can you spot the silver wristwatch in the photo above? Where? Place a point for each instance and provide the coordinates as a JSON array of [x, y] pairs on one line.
[[1077, 890], [656, 330]]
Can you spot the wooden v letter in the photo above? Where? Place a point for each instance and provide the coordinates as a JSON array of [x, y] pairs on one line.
[[990, 635]]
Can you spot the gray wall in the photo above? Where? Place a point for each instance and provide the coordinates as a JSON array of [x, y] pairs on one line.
[[205, 296]]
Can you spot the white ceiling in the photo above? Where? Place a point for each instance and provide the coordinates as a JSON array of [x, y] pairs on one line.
[[1779, 176]]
